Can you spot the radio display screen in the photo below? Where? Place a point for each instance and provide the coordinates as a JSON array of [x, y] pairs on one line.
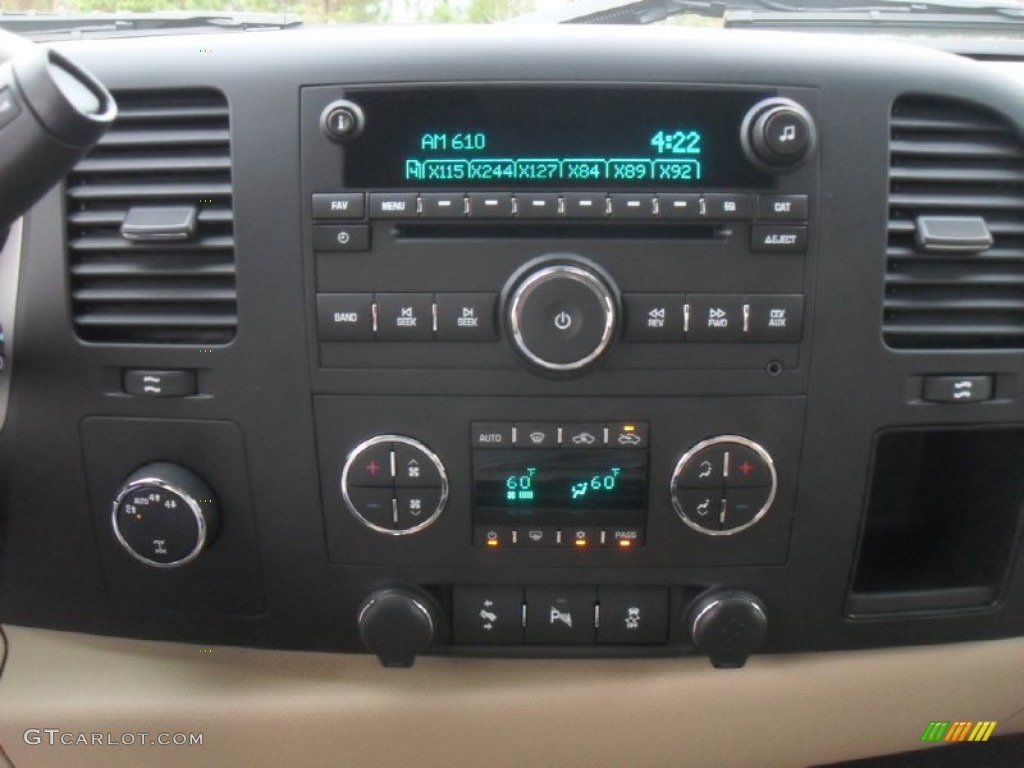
[[551, 137], [560, 486]]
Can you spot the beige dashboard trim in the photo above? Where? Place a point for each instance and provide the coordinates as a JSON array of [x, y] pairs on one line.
[[276, 708]]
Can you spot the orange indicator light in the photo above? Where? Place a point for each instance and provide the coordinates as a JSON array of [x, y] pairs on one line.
[[625, 543], [629, 428], [492, 542], [581, 542]]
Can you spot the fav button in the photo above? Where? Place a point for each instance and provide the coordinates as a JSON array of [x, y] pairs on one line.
[[340, 205]]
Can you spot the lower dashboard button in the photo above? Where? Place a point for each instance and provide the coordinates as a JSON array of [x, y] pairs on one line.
[[538, 536], [581, 537], [560, 616], [487, 615], [632, 616]]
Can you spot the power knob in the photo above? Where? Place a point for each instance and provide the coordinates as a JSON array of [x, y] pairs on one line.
[[561, 313], [398, 624], [728, 626], [165, 515], [778, 134]]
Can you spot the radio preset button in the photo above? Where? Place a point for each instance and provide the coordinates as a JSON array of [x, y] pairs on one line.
[[766, 238], [586, 205], [537, 205], [652, 317], [344, 316], [715, 317], [393, 205], [681, 206], [442, 205], [782, 207], [629, 206], [726, 206], [490, 205], [405, 316]]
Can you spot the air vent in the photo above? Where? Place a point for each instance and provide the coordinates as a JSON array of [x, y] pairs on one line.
[[955, 169], [167, 276]]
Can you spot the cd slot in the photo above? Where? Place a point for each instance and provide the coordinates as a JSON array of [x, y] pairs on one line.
[[560, 231]]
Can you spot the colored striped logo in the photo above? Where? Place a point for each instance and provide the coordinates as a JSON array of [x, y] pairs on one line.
[[958, 730]]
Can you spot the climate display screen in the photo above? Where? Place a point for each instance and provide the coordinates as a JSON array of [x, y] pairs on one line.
[[560, 486], [603, 138]]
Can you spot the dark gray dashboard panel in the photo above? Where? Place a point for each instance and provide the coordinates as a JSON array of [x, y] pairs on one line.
[[299, 404]]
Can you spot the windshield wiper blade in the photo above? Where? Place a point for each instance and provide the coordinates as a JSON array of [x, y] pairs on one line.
[[35, 25], [749, 11]]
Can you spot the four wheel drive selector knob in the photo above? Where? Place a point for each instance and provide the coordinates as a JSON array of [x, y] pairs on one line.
[[165, 515], [562, 313]]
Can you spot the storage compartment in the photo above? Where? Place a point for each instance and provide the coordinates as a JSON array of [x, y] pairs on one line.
[[942, 519]]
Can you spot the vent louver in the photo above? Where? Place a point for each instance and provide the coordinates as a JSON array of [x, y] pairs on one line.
[[954, 162], [168, 151]]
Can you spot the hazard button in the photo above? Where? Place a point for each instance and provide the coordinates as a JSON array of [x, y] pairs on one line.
[[775, 318]]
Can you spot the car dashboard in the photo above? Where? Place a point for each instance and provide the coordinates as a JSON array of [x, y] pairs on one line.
[[530, 358]]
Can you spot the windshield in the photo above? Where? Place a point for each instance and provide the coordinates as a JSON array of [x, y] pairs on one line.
[[56, 19]]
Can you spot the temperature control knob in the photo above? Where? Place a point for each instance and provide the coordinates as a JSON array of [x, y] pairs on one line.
[[165, 515], [561, 313], [778, 134], [398, 624]]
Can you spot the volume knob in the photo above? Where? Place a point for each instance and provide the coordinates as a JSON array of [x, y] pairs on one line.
[[561, 314]]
